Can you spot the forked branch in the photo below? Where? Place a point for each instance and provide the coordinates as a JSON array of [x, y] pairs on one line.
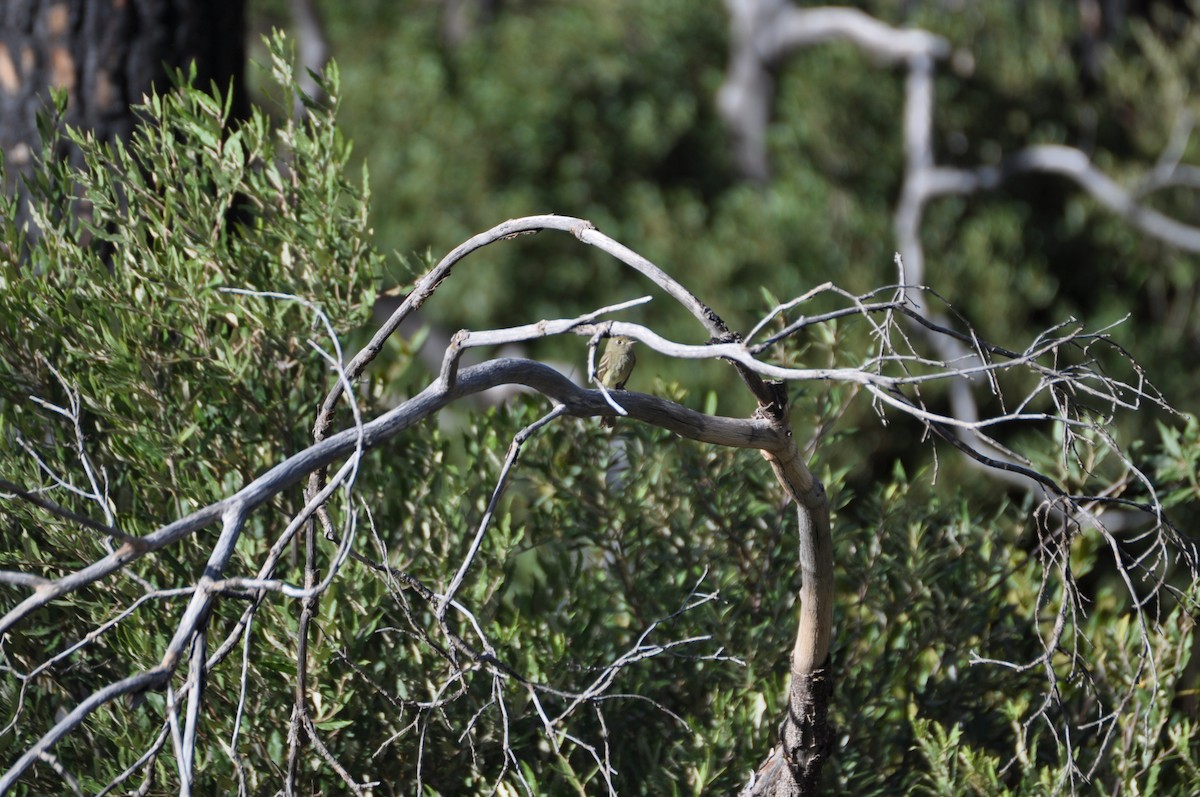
[[894, 374]]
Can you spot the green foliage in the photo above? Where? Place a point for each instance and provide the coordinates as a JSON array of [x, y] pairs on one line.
[[935, 591], [122, 291], [186, 392], [1179, 463]]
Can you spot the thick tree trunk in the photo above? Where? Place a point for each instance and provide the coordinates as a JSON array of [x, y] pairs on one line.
[[106, 54]]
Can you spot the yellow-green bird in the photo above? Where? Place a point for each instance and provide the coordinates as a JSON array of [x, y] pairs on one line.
[[615, 367]]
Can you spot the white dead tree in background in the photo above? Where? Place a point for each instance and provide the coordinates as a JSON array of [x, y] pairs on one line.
[[767, 32], [1051, 381]]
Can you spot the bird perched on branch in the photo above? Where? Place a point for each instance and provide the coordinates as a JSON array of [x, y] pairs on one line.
[[615, 367]]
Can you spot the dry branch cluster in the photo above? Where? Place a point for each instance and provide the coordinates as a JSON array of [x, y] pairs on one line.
[[1058, 385]]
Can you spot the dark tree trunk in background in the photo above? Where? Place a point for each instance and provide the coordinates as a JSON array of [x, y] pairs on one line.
[[106, 54]]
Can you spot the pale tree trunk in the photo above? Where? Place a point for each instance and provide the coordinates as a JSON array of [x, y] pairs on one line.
[[793, 766]]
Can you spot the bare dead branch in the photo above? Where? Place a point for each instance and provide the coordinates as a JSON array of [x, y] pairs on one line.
[[59, 511], [514, 451], [1068, 390]]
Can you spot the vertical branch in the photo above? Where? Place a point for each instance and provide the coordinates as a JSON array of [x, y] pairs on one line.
[[793, 767], [195, 695], [300, 695]]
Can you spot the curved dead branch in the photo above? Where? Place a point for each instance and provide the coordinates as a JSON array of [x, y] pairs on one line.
[[893, 376]]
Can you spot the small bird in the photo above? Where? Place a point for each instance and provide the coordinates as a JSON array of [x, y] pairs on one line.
[[615, 367]]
